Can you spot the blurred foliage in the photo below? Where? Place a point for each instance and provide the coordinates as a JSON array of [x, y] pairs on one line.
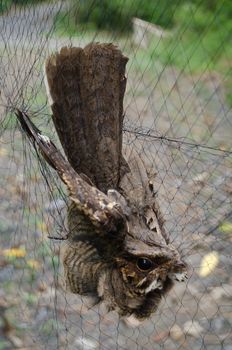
[[200, 41], [226, 227], [5, 5], [27, 2], [200, 31], [118, 14]]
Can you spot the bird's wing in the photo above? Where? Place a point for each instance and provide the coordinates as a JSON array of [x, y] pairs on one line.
[[102, 211]]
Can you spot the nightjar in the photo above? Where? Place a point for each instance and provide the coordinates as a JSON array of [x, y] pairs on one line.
[[117, 250]]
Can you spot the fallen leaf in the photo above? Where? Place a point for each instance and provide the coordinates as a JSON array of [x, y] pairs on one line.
[[3, 152], [223, 147], [33, 264], [208, 264], [42, 286], [226, 227], [42, 227], [14, 253]]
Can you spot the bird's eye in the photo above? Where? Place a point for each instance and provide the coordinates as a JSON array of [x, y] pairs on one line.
[[144, 264]]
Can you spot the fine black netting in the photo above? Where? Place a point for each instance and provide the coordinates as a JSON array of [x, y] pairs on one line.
[[177, 115]]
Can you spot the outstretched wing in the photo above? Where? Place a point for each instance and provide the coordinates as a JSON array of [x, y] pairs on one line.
[[86, 89], [92, 202]]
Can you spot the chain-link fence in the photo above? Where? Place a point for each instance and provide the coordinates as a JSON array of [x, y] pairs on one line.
[[177, 116]]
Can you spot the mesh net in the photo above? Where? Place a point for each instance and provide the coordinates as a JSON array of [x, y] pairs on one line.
[[178, 116]]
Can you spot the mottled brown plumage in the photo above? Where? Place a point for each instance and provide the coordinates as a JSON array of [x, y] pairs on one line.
[[117, 249]]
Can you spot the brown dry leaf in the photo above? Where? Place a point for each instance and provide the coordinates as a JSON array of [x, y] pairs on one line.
[[42, 287]]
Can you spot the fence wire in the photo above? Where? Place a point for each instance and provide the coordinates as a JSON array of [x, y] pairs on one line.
[[178, 116]]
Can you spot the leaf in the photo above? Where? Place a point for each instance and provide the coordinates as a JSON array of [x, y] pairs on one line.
[[14, 253], [42, 227], [30, 298], [226, 227], [3, 152], [33, 264], [208, 264]]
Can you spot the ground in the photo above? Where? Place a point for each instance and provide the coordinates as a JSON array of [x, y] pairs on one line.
[[193, 185]]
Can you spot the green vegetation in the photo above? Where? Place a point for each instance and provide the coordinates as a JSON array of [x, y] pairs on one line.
[[10, 122], [226, 227], [192, 49], [200, 31], [201, 40], [5, 5], [118, 14], [27, 2], [30, 298], [4, 345]]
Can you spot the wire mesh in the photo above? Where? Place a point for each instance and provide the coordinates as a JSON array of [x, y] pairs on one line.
[[178, 116]]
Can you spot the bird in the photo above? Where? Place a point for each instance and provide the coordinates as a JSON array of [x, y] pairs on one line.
[[117, 251]]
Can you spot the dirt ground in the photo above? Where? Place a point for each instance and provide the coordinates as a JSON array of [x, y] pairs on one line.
[[194, 186]]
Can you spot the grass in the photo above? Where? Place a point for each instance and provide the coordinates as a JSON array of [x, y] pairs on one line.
[[9, 122], [31, 299], [4, 344], [48, 327], [5, 5]]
